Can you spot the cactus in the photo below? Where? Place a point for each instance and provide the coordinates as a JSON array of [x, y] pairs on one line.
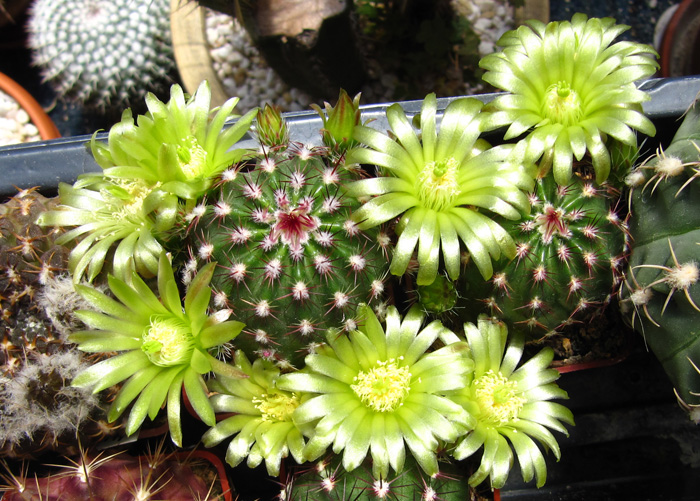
[[115, 477], [326, 480], [102, 52], [661, 296], [291, 262], [570, 250]]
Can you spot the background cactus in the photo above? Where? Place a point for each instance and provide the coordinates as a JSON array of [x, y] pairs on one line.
[[40, 409], [292, 263], [570, 250], [103, 52], [661, 297], [327, 480], [115, 477]]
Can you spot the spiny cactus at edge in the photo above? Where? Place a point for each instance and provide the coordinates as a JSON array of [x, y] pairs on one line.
[[661, 296]]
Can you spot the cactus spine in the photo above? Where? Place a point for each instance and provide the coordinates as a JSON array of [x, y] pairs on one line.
[[661, 296]]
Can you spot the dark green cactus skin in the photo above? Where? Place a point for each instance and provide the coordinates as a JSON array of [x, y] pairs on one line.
[[291, 262], [326, 480], [662, 219], [570, 250]]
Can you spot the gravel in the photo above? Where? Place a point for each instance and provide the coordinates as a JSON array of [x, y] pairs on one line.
[[244, 73], [15, 125]]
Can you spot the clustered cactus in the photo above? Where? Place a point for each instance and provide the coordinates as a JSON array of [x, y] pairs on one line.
[[103, 52], [291, 261], [256, 281], [570, 251]]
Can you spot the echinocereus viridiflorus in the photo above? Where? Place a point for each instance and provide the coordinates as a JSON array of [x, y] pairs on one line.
[[262, 420], [509, 403], [376, 389], [164, 346], [438, 183], [178, 147], [151, 167], [569, 86]]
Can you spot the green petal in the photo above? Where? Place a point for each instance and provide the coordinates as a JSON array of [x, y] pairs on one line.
[[196, 392], [218, 334], [112, 371], [331, 367], [356, 448], [394, 443], [383, 208], [131, 389], [405, 134], [224, 429], [173, 406], [407, 242]]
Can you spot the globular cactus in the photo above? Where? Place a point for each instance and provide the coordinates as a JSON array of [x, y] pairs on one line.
[[661, 296], [291, 261], [41, 411], [29, 260], [115, 477], [570, 250], [326, 480], [103, 52]]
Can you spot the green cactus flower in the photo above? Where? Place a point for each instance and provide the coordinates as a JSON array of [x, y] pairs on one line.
[[164, 346], [570, 86], [437, 184], [263, 416], [509, 404], [377, 390], [177, 145], [119, 215]]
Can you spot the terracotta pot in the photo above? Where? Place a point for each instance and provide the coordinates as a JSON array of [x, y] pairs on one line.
[[679, 52], [216, 462], [47, 129]]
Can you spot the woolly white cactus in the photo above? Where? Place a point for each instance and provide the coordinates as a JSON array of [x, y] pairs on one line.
[[102, 52]]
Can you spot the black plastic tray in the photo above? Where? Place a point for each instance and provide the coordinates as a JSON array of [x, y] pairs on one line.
[[46, 163]]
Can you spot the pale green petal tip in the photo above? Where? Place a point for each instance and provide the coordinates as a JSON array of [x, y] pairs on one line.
[[509, 413], [588, 85]]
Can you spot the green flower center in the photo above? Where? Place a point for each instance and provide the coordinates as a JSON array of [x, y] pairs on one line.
[[437, 184], [498, 398], [276, 406], [384, 387], [167, 342], [193, 158], [131, 195], [562, 104]]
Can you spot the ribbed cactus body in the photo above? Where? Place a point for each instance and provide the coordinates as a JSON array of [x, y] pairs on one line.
[[661, 295], [326, 480], [292, 263], [569, 251], [103, 52]]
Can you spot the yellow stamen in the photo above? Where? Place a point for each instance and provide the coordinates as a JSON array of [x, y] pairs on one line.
[[437, 184], [384, 387], [276, 406], [193, 158], [167, 342], [498, 398], [562, 104]]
